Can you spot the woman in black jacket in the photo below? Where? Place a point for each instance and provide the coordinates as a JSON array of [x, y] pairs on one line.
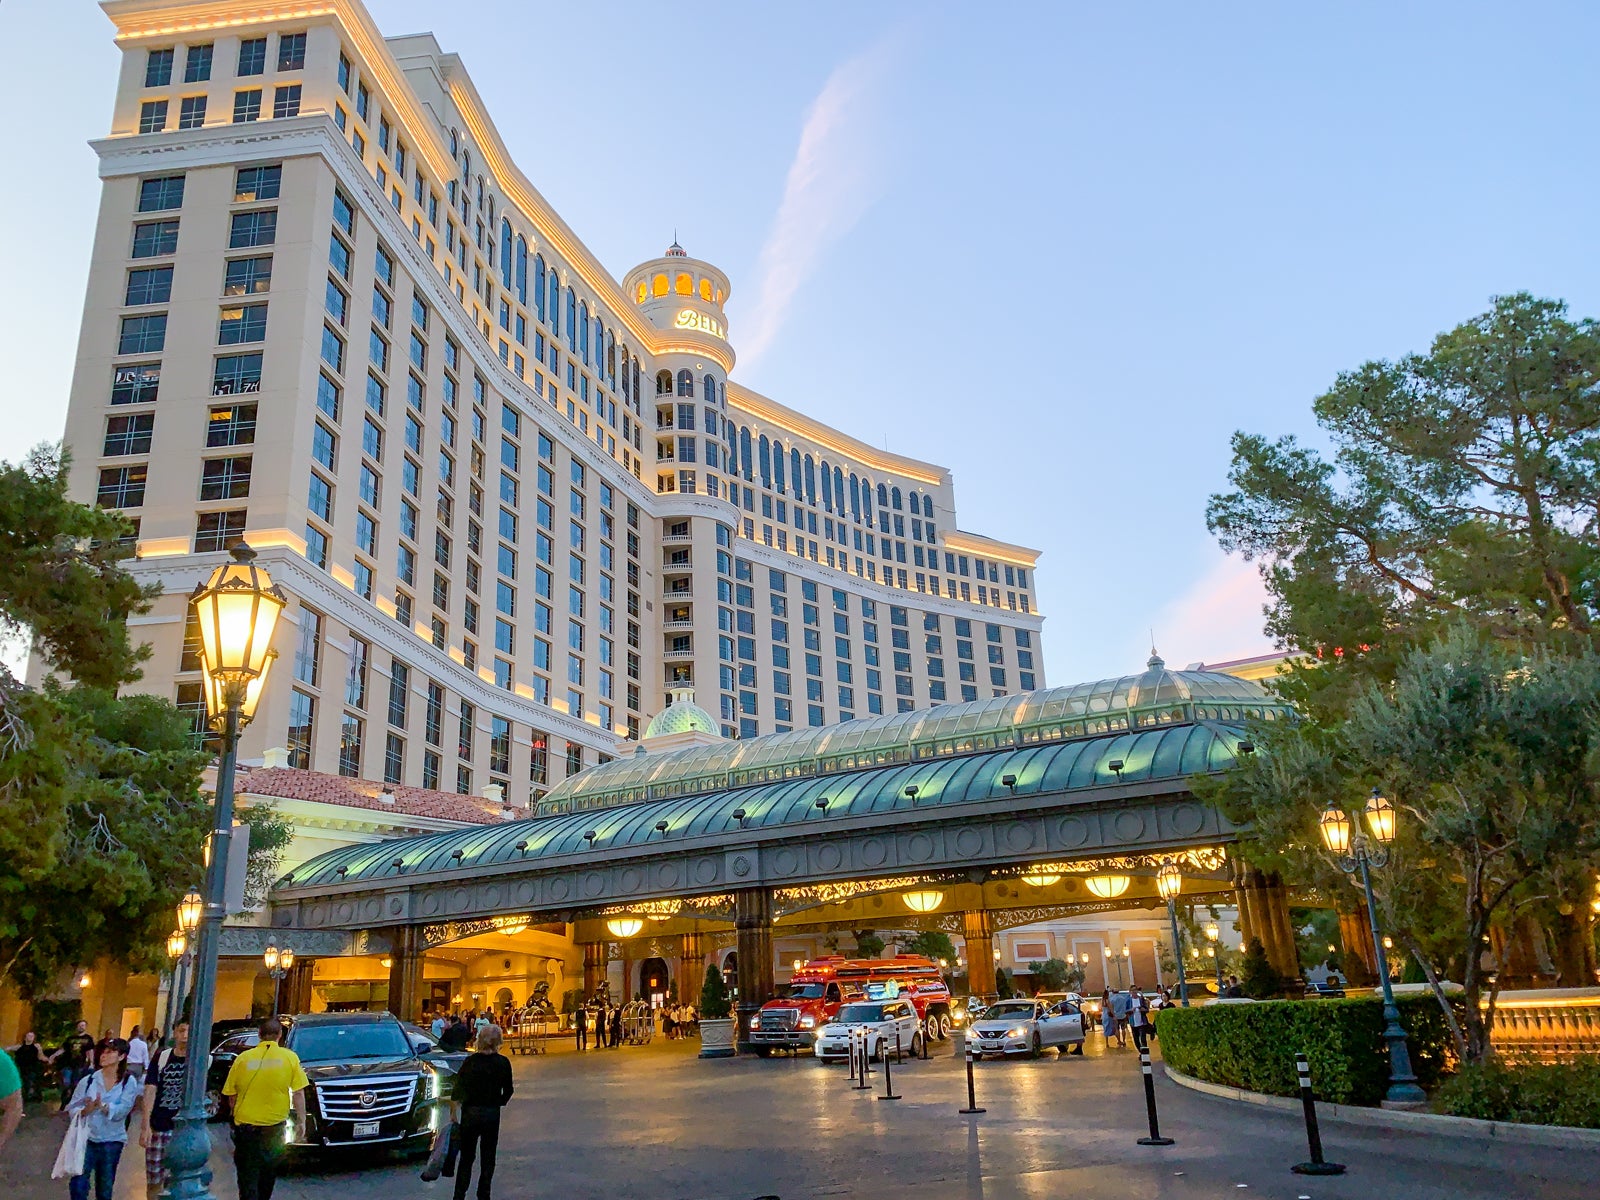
[[483, 1085]]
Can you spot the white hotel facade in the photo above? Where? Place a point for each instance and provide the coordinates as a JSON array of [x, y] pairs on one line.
[[515, 500]]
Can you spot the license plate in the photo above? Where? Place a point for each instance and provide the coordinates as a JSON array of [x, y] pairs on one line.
[[989, 1045], [366, 1129]]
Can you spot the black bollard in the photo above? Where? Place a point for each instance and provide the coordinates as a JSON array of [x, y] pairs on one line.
[[852, 1053], [888, 1081], [1313, 1135], [865, 1051], [925, 1041], [1155, 1138], [972, 1097]]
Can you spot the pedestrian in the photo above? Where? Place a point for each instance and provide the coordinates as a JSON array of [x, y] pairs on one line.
[[456, 1035], [580, 1023], [1108, 1016], [616, 1028], [483, 1085], [1139, 1017], [163, 1097], [1233, 991], [264, 1083], [30, 1060], [73, 1055], [1119, 1010], [668, 1024], [104, 1098], [438, 1025], [11, 1098], [138, 1055]]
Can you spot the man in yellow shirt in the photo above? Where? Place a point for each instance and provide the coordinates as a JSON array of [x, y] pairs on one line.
[[264, 1083]]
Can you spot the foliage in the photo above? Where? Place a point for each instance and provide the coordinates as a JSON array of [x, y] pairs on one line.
[[270, 834], [714, 1002], [1532, 1092], [868, 943], [107, 825], [932, 943], [1315, 929], [1253, 1046], [1257, 978]]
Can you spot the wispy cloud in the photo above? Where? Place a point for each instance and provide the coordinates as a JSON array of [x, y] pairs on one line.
[[834, 179], [1217, 618]]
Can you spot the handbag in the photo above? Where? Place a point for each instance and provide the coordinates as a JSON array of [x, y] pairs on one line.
[[442, 1154], [69, 1159]]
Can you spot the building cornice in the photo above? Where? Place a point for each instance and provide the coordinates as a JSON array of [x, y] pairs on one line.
[[988, 547], [764, 408]]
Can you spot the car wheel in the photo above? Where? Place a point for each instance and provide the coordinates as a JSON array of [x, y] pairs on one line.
[[916, 1044], [942, 1021], [763, 1051], [1078, 1049], [1038, 1046]]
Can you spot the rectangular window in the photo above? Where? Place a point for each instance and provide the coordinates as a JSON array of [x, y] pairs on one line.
[[197, 64], [253, 56], [247, 276], [143, 335], [319, 498], [308, 647], [161, 194], [333, 349], [191, 112], [291, 51], [236, 374], [149, 285], [350, 746], [154, 238], [129, 435], [152, 116], [247, 323], [231, 425], [225, 478], [135, 385], [399, 684], [257, 183], [158, 67], [286, 101], [258, 227], [394, 758], [218, 530], [247, 106]]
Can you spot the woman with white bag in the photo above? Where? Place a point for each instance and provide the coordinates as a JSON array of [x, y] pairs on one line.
[[99, 1109]]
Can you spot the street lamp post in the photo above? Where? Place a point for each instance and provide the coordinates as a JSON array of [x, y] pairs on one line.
[[237, 609], [1169, 882], [178, 952], [1357, 853], [1109, 957], [1213, 934], [278, 963]]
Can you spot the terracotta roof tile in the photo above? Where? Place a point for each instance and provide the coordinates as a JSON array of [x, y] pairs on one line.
[[290, 783]]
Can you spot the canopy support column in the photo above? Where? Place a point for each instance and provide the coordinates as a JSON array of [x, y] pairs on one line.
[[753, 922]]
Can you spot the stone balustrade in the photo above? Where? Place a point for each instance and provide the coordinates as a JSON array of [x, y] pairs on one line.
[[1549, 1024]]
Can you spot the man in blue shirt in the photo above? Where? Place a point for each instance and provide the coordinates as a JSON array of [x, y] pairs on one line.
[[10, 1098]]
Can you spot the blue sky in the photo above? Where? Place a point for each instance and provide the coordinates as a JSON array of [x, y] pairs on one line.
[[1064, 249]]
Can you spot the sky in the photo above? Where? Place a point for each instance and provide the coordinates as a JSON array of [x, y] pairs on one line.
[[1064, 249]]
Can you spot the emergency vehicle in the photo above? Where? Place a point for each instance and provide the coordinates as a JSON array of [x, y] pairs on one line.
[[814, 993]]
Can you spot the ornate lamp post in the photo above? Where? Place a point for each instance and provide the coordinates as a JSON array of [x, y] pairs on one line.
[[278, 963], [237, 610], [1213, 934], [177, 951], [1357, 853], [1169, 882]]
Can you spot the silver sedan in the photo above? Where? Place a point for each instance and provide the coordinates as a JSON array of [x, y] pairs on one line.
[[1027, 1027]]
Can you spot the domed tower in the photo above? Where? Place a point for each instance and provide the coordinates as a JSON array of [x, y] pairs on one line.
[[695, 472]]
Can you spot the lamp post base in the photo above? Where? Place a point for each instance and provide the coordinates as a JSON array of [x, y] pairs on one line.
[[186, 1157], [1411, 1099]]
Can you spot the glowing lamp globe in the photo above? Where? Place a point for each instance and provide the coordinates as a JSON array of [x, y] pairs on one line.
[[237, 610], [1380, 818], [1335, 827], [217, 691], [1107, 887], [189, 910], [177, 944], [269, 956], [624, 927], [1040, 879], [923, 902], [1169, 880], [510, 926]]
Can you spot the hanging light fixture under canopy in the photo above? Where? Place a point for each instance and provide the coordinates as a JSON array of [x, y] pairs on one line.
[[510, 925], [624, 927], [923, 901], [1040, 879], [1108, 887]]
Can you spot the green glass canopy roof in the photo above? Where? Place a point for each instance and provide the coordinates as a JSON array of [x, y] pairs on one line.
[[1155, 698], [1164, 751]]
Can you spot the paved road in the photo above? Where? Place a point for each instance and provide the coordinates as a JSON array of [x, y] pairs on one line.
[[659, 1124]]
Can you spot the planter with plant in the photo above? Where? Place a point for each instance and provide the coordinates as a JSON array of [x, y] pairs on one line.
[[716, 1027]]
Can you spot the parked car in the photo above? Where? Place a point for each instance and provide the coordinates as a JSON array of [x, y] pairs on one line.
[[429, 1047], [1027, 1026], [370, 1082], [222, 1056], [1330, 988], [884, 1021]]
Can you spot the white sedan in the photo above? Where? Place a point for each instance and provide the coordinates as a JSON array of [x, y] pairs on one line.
[[883, 1020], [1027, 1027]]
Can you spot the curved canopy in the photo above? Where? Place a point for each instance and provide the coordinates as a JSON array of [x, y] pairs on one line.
[[1157, 697], [1139, 755]]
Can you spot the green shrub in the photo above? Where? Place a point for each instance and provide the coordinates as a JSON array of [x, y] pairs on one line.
[[1253, 1046], [714, 1002], [1531, 1092], [1257, 979]]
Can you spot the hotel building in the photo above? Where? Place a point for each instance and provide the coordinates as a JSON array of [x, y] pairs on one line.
[[517, 502]]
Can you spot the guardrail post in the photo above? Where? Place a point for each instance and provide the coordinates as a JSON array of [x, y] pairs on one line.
[[1155, 1138], [1313, 1135], [972, 1099], [865, 1051], [888, 1078], [852, 1054]]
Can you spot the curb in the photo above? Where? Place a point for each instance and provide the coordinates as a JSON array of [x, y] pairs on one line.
[[1505, 1132]]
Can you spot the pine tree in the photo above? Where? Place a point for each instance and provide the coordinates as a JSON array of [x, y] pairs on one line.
[[1257, 979], [714, 1005]]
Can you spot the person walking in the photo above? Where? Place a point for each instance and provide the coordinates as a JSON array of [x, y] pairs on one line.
[[1139, 1018], [483, 1085], [456, 1035], [1108, 1017], [73, 1057], [264, 1083], [11, 1097], [163, 1097], [580, 1024], [30, 1060], [1119, 1010], [438, 1025], [138, 1055], [104, 1098], [616, 1027]]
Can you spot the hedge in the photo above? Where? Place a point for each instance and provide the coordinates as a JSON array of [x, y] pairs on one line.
[[1537, 1093], [1253, 1046]]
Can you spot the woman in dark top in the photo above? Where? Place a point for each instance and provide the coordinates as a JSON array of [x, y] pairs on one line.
[[483, 1085]]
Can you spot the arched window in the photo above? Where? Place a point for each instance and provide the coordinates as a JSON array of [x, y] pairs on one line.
[[927, 507], [710, 393], [455, 143], [480, 191], [794, 472], [705, 289], [883, 496], [685, 382], [643, 293], [583, 330], [505, 252], [855, 496], [778, 467], [766, 462], [572, 320], [599, 338], [866, 501], [555, 304], [663, 383], [491, 211], [658, 285], [522, 269], [894, 498], [827, 486], [811, 480], [625, 392], [744, 452], [683, 284], [636, 399], [538, 284], [838, 489], [611, 360]]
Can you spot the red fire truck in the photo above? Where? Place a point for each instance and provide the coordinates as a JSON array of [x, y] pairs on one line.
[[817, 989]]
